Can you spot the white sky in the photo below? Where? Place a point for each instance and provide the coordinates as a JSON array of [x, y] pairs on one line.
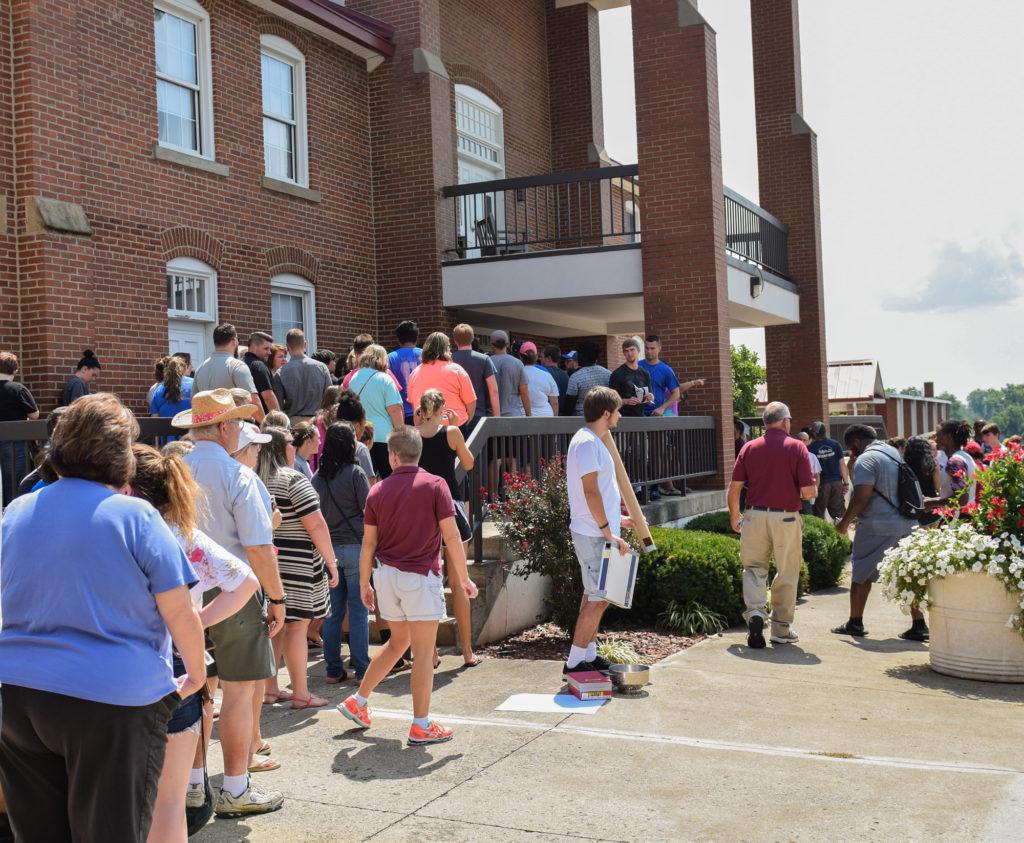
[[917, 106]]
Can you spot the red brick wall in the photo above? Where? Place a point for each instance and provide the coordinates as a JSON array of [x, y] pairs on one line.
[[10, 335], [787, 160], [683, 225], [87, 124]]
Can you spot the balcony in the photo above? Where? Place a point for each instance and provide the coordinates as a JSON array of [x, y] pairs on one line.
[[560, 255]]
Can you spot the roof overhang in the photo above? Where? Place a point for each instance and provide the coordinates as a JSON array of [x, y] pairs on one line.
[[362, 35]]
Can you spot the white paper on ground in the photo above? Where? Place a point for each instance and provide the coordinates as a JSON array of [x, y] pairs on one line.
[[550, 704]]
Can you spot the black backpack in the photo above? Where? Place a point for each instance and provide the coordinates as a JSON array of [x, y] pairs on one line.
[[908, 491]]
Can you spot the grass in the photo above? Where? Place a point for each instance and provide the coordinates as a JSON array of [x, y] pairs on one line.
[[692, 619], [618, 651]]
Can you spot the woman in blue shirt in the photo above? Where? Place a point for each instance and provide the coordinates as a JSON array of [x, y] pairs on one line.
[[174, 395], [85, 648]]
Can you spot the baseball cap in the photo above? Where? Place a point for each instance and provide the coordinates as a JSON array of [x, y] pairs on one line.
[[499, 336], [569, 355], [250, 435], [528, 346]]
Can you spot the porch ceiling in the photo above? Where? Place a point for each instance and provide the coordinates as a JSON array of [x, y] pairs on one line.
[[600, 5]]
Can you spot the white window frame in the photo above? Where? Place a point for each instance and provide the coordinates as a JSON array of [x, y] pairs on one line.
[[290, 283], [632, 211], [284, 51], [480, 100], [198, 269], [194, 13]]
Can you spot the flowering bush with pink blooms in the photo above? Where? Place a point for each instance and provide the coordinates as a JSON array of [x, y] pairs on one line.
[[532, 515]]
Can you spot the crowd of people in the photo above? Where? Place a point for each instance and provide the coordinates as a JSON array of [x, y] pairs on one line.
[[291, 503], [780, 475]]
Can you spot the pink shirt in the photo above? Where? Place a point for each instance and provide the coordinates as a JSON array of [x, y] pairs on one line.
[[451, 379]]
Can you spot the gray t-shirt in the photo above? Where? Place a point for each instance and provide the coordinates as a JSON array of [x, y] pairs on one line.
[[305, 381], [365, 461], [342, 500], [222, 371], [480, 368], [511, 374], [878, 466]]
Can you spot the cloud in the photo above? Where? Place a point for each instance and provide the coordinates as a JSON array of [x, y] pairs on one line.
[[964, 279]]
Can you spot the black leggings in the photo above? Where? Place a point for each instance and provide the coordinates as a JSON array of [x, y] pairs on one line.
[[379, 455]]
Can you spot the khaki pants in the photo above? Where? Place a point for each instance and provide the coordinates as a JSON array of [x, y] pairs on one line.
[[762, 536], [831, 499]]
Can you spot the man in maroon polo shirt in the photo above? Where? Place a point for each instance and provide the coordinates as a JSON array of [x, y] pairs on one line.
[[407, 515], [778, 475]]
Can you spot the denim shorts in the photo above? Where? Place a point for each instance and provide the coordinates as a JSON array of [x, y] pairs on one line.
[[189, 710]]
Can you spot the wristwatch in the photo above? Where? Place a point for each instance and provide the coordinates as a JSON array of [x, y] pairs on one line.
[[280, 602]]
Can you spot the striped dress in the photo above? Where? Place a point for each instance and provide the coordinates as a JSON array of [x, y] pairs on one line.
[[301, 566]]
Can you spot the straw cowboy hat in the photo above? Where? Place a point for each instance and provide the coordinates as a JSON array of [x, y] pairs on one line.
[[212, 407]]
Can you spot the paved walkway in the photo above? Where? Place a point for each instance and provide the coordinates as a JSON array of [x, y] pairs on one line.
[[831, 739]]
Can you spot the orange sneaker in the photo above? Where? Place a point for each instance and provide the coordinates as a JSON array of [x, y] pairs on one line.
[[435, 733], [355, 712]]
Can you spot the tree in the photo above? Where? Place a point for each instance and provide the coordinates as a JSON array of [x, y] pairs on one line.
[[910, 390], [747, 375], [957, 410]]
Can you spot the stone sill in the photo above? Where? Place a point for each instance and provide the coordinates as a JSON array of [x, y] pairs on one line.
[[291, 189], [186, 159]]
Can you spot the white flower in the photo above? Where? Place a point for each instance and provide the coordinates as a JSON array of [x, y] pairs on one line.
[[976, 567]]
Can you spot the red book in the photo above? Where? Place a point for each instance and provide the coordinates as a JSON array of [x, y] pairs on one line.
[[590, 685]]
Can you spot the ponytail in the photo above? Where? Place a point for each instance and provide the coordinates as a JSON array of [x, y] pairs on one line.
[[167, 483], [431, 403], [174, 371]]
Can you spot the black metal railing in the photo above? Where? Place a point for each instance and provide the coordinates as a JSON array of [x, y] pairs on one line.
[[598, 207], [552, 211], [755, 235], [653, 450], [22, 444], [837, 425]]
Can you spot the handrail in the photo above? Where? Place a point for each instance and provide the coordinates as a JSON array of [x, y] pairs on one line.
[[655, 450], [546, 179]]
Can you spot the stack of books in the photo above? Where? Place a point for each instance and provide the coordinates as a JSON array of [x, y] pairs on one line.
[[590, 685]]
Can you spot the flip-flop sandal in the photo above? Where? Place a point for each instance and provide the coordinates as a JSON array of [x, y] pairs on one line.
[[914, 635], [271, 697], [476, 660], [846, 629], [312, 701], [263, 750], [265, 766]]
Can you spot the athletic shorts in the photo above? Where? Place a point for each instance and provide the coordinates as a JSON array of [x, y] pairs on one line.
[[408, 596], [868, 550], [589, 550]]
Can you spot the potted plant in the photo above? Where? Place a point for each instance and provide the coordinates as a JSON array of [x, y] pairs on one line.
[[969, 573]]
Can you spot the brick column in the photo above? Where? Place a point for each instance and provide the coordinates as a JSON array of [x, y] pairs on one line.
[[680, 158], [412, 135], [787, 158], [574, 82]]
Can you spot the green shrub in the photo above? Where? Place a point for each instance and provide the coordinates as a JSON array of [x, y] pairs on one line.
[[691, 619], [825, 551]]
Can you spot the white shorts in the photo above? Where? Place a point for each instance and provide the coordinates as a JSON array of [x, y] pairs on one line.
[[408, 596]]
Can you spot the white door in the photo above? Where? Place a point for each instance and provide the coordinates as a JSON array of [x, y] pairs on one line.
[[190, 337]]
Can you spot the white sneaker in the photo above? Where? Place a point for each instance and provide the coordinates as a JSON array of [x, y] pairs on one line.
[[788, 637], [254, 800], [195, 797]]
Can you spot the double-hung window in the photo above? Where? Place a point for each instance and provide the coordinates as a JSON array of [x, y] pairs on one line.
[[283, 71], [184, 95]]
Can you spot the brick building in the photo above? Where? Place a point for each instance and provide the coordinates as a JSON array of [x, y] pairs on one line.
[[166, 164]]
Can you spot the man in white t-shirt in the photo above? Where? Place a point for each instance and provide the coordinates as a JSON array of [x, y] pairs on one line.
[[539, 381], [596, 518]]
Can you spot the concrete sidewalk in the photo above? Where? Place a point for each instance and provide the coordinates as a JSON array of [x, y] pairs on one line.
[[831, 739]]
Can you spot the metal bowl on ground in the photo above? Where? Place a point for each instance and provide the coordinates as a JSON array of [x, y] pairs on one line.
[[629, 678]]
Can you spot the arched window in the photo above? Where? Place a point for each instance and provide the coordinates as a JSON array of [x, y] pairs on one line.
[[479, 125], [285, 148], [292, 305], [191, 307]]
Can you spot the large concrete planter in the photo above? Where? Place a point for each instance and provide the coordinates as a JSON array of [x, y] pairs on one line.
[[969, 635]]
